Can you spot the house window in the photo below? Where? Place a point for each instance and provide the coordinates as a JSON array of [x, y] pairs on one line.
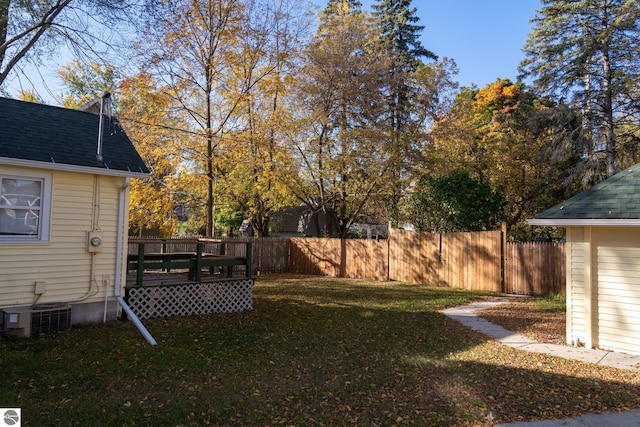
[[24, 208]]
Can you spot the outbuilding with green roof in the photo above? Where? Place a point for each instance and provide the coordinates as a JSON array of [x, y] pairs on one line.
[[603, 262]]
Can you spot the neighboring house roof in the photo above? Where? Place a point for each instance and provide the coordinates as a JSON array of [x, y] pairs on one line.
[[39, 135], [614, 201]]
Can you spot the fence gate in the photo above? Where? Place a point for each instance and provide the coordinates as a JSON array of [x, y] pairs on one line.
[[535, 268]]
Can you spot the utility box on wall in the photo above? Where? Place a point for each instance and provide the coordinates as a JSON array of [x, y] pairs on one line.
[[94, 241], [18, 318]]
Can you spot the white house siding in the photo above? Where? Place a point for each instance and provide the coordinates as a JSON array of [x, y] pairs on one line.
[[576, 288], [64, 263], [617, 263]]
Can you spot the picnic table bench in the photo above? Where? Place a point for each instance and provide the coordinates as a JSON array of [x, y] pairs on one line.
[[195, 261]]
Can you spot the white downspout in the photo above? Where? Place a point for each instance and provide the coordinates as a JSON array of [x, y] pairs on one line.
[[119, 246]]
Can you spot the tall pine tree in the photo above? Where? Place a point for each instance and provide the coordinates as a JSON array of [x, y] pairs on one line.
[[400, 33], [588, 52], [400, 37], [337, 7]]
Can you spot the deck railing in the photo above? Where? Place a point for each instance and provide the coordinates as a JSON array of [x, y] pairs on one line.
[[193, 254]]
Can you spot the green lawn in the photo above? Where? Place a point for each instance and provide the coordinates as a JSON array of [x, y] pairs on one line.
[[314, 351], [556, 303]]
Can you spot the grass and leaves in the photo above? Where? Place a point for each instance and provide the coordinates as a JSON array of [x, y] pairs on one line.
[[554, 304], [314, 351], [542, 318]]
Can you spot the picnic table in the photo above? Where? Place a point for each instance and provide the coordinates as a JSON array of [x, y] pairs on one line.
[[193, 261]]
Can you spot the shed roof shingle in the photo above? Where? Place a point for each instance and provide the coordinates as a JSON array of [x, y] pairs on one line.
[[616, 198], [60, 136]]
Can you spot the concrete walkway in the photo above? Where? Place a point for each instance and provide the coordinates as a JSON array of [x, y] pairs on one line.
[[612, 419], [467, 315]]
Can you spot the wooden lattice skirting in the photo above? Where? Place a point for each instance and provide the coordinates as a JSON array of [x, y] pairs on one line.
[[227, 296]]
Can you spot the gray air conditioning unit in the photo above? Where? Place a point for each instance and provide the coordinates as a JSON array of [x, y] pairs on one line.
[[37, 319]]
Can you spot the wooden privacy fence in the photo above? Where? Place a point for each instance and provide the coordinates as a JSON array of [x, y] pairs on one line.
[[480, 261], [359, 259], [457, 260], [535, 268]]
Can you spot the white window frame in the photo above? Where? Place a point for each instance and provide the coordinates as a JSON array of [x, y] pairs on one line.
[[45, 206]]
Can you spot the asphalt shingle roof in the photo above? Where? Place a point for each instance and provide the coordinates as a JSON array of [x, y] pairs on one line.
[[54, 135], [617, 197]]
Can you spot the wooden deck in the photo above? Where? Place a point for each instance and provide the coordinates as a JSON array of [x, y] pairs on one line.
[[176, 277], [175, 265]]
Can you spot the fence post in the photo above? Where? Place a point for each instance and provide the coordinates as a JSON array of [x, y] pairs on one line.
[[198, 267], [249, 254], [503, 257], [390, 235], [140, 272]]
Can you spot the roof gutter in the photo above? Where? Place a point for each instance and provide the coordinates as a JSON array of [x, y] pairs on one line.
[[569, 222], [72, 168], [119, 261]]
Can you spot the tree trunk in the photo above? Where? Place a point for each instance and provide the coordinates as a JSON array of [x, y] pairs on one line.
[[4, 20], [209, 159], [33, 35], [609, 125]]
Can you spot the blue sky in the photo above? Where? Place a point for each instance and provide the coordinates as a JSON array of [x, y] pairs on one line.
[[484, 37]]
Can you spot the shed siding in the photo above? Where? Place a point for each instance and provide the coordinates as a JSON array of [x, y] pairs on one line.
[[617, 262], [576, 254], [64, 264]]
